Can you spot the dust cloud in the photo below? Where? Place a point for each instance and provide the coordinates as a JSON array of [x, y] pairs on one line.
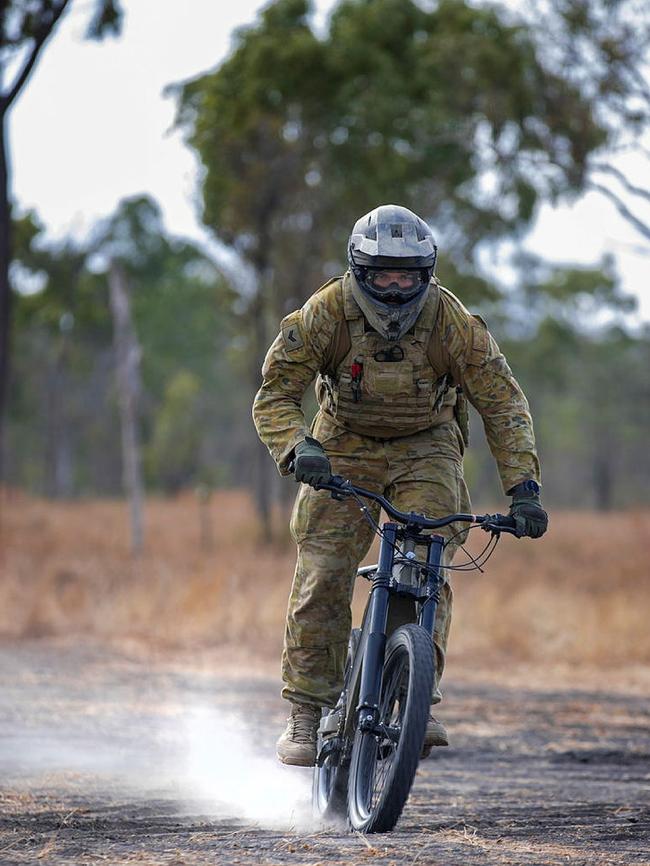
[[225, 768], [218, 761]]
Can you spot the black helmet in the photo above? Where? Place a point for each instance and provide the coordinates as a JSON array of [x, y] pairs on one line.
[[388, 240]]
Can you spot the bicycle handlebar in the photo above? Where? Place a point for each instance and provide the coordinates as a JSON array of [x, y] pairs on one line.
[[339, 486]]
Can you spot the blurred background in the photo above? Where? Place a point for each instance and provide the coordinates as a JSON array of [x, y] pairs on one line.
[[175, 178]]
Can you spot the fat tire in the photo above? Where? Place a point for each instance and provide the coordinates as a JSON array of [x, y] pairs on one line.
[[409, 644], [330, 783]]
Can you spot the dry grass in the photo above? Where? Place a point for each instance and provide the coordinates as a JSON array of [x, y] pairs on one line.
[[579, 595]]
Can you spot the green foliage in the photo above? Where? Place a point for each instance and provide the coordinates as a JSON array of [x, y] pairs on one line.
[[446, 111], [584, 372], [579, 291], [476, 291], [172, 455], [180, 303], [470, 115], [586, 378], [24, 21], [63, 390]]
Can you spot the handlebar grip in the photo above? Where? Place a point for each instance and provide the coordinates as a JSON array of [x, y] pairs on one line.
[[499, 523], [507, 521]]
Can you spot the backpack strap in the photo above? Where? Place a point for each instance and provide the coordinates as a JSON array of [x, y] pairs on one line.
[[437, 355], [435, 350], [338, 348], [426, 321], [341, 341]]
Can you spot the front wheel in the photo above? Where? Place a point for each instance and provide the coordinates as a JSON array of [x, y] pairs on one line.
[[384, 762]]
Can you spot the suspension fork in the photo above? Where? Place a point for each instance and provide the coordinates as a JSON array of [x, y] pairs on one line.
[[427, 617], [377, 618]]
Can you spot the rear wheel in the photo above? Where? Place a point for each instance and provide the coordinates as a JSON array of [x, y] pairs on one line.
[[383, 763], [330, 781]]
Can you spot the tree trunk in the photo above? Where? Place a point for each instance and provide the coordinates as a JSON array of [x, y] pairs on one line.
[[127, 358], [5, 288]]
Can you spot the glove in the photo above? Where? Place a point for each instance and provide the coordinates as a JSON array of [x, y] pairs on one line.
[[526, 509], [311, 464]]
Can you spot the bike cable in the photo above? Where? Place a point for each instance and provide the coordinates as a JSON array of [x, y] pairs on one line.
[[473, 563]]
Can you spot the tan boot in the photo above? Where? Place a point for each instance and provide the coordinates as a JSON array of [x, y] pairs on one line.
[[297, 746], [436, 735]]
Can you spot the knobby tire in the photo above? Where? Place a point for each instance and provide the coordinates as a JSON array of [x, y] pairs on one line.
[[381, 772]]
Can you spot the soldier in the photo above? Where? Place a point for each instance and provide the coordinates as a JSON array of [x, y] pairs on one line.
[[396, 356]]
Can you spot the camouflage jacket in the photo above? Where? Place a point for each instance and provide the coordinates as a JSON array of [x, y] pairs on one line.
[[464, 347]]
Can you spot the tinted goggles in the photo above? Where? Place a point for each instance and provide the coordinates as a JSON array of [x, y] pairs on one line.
[[391, 282]]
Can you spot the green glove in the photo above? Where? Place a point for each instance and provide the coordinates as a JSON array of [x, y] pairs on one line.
[[530, 518], [311, 465]]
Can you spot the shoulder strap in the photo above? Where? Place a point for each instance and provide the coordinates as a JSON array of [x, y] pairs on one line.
[[435, 349], [426, 321], [353, 315], [341, 342], [338, 348]]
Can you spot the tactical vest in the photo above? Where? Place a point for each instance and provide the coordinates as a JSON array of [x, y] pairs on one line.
[[385, 388]]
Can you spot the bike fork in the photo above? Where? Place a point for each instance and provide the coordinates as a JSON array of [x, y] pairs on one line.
[[427, 618], [373, 659]]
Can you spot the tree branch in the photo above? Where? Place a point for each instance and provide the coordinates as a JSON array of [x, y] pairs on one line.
[[39, 41], [622, 208], [618, 174]]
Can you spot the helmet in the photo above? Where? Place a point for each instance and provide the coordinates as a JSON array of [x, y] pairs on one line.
[[392, 256]]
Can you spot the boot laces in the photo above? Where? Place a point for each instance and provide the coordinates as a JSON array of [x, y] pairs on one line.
[[303, 724]]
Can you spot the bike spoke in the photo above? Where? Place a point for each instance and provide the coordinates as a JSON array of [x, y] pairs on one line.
[[391, 712]]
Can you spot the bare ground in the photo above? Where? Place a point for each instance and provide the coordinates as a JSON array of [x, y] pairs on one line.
[[98, 764]]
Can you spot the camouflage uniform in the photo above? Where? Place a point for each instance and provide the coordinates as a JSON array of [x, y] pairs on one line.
[[402, 439]]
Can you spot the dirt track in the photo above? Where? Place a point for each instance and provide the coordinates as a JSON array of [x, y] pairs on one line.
[[107, 758]]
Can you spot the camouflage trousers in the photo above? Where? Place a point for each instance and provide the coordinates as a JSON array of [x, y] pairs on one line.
[[423, 473]]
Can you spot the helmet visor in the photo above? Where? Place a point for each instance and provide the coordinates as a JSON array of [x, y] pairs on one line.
[[395, 286]]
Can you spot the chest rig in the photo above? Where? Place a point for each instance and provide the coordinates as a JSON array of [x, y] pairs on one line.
[[386, 388]]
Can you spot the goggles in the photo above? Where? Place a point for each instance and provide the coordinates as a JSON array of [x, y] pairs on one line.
[[402, 285]]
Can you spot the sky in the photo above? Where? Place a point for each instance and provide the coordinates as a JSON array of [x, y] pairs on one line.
[[93, 126]]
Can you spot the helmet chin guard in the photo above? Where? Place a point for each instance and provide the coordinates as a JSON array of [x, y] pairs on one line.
[[391, 238], [392, 321]]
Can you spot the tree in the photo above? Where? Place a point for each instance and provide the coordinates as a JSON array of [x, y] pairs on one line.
[[603, 49], [62, 397], [174, 450], [25, 27], [62, 358], [450, 111], [585, 373]]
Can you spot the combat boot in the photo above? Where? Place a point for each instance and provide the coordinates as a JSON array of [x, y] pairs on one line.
[[297, 745], [436, 735]]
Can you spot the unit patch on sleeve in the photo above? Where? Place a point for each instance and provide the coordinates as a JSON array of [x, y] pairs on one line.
[[292, 332]]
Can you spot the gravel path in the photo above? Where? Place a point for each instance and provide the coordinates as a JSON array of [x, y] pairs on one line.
[[111, 758]]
